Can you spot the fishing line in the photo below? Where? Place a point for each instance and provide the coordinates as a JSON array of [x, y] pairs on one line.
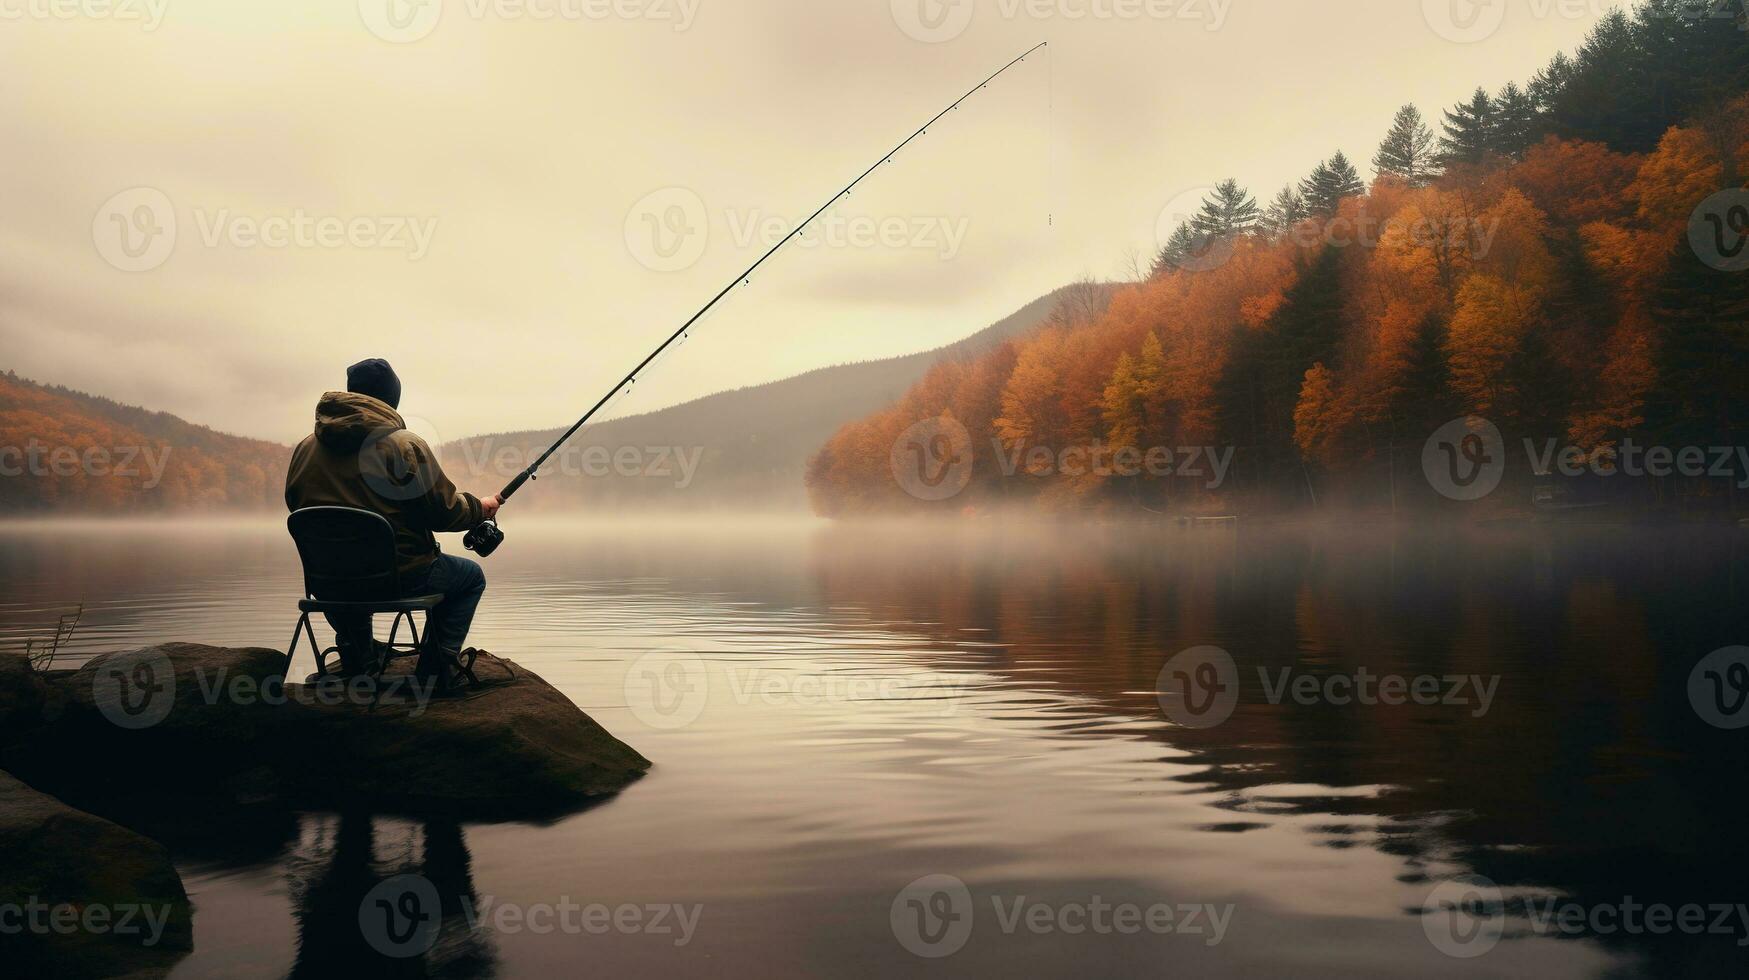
[[486, 538]]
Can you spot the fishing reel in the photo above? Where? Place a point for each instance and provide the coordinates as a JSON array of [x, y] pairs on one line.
[[484, 538]]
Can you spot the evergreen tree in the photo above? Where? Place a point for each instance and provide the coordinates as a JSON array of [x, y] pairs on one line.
[[1329, 184], [1283, 212], [1702, 394], [1179, 248], [1515, 121], [1407, 151], [1469, 131], [1230, 210]]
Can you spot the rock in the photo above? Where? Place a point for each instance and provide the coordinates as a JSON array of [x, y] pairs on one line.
[[193, 719], [82, 896], [515, 745], [24, 698]]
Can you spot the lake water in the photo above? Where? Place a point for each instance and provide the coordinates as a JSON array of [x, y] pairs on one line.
[[885, 704]]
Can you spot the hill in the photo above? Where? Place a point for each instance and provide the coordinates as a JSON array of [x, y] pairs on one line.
[[1555, 284], [741, 449], [64, 450]]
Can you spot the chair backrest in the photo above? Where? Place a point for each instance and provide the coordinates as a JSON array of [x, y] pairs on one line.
[[348, 554]]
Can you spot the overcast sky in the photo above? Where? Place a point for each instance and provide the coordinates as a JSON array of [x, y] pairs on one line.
[[514, 201]]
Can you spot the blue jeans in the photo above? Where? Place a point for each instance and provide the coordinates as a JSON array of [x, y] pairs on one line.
[[461, 583]]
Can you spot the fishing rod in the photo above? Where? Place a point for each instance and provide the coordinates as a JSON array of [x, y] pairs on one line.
[[485, 538]]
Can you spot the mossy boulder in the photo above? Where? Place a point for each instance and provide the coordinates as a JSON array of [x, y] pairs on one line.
[[24, 698], [84, 897], [216, 721]]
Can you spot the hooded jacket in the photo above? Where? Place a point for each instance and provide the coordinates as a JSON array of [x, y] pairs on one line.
[[361, 455]]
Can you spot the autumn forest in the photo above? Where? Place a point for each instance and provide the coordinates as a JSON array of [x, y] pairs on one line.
[[1559, 257]]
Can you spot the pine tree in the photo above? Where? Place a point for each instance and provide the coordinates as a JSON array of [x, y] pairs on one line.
[[1515, 121], [1407, 151], [1469, 131], [1283, 212], [1229, 210], [1179, 248], [1329, 183]]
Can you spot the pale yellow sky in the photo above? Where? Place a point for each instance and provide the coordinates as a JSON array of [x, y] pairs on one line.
[[465, 186]]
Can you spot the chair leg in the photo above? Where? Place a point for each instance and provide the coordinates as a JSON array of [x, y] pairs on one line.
[[291, 651]]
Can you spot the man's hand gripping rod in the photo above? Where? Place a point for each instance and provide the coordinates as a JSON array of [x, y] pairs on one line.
[[485, 538]]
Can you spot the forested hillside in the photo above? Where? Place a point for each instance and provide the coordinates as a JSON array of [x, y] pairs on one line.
[[737, 450], [1564, 258], [63, 450]]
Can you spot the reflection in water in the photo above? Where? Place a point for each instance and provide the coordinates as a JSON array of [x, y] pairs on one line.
[[886, 703], [334, 871]]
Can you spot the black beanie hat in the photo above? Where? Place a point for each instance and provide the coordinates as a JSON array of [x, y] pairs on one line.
[[375, 378]]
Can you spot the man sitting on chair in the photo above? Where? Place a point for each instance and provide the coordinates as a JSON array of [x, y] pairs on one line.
[[361, 455]]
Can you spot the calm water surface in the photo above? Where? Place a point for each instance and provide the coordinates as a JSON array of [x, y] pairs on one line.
[[882, 704]]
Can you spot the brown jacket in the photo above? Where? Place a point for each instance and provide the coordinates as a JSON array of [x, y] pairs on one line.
[[361, 455]]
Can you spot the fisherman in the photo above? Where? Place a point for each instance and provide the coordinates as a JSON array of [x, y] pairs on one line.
[[361, 455]]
